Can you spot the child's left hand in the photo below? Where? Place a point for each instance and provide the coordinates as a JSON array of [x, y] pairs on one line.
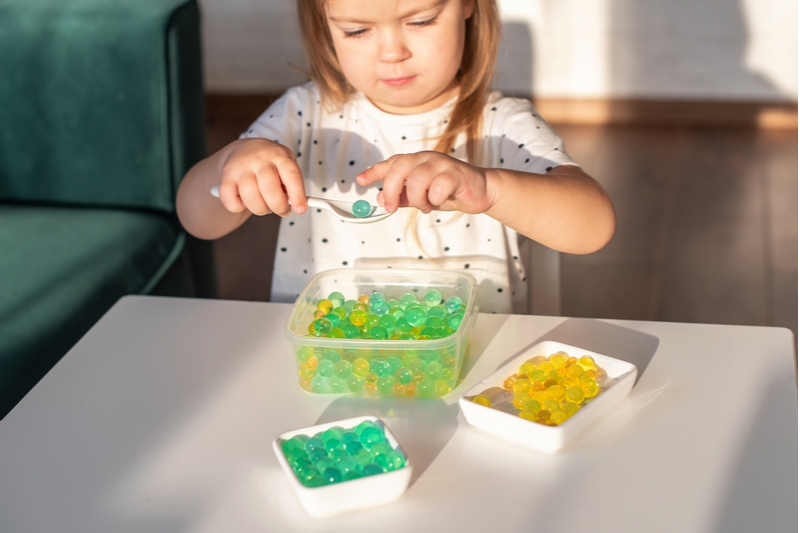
[[428, 181]]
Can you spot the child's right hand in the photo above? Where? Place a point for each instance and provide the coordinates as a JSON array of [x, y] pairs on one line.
[[263, 177]]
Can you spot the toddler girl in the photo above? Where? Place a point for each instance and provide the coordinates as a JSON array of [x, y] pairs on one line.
[[399, 113]]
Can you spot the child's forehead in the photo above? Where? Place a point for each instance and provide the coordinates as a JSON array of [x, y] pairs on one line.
[[360, 8]]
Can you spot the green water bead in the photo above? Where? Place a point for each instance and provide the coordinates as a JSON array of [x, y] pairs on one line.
[[343, 368], [385, 384], [403, 376], [433, 297], [355, 383], [434, 371], [378, 332], [320, 384], [395, 460], [454, 321], [370, 436], [322, 326], [361, 209], [415, 316], [351, 331], [332, 475], [452, 304], [325, 368], [336, 298], [380, 448], [372, 321], [380, 307], [408, 299], [363, 457], [388, 322], [372, 469]]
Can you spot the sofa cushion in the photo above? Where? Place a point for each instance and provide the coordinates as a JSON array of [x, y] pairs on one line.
[[60, 270]]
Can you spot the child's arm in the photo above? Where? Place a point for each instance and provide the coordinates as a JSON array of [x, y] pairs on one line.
[[255, 176], [564, 209]]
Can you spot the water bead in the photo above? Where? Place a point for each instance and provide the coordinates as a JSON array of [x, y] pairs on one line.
[[360, 367], [441, 387], [574, 371], [323, 463], [575, 395], [520, 398], [372, 321], [370, 435], [570, 408], [332, 433], [586, 362], [336, 298], [558, 361], [558, 417], [543, 416], [378, 333], [363, 457], [590, 388], [353, 447], [380, 307], [454, 321], [325, 306], [527, 368], [388, 322], [546, 367], [343, 368], [325, 368], [480, 399], [351, 331], [416, 316], [552, 405], [537, 360], [538, 375], [434, 371], [320, 384], [522, 385], [508, 384], [433, 297], [385, 384], [322, 326], [532, 405], [540, 396], [358, 317], [433, 321], [403, 376], [395, 460], [376, 296], [372, 469], [348, 464], [452, 303], [408, 299], [567, 383], [527, 415], [313, 443], [316, 481], [394, 364], [380, 448], [556, 392]]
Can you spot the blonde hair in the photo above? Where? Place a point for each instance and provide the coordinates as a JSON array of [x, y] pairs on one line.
[[482, 37]]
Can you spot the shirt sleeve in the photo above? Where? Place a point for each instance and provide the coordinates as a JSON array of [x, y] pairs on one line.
[[520, 139]]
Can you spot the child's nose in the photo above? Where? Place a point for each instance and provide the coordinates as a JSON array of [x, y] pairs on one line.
[[393, 48]]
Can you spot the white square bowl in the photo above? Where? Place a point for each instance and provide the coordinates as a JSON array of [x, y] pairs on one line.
[[345, 495], [621, 376]]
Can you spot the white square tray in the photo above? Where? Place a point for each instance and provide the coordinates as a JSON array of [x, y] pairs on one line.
[[345, 495], [621, 376]]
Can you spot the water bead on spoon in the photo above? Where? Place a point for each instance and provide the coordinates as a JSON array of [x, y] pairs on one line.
[[361, 209]]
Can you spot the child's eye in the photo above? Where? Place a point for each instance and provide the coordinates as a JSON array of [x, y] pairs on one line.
[[355, 33], [423, 23]]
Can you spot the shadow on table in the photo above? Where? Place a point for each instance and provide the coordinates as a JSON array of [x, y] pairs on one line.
[[423, 426], [768, 459], [593, 335]]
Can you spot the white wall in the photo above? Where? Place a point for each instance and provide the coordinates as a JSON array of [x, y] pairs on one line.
[[659, 49]]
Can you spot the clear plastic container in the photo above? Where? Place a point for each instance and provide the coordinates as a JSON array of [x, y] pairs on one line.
[[418, 368]]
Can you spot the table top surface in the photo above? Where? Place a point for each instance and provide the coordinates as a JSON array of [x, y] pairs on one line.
[[161, 419]]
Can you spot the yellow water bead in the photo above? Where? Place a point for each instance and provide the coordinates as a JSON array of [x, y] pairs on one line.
[[536, 386], [569, 408], [538, 375], [538, 360], [575, 395], [540, 396], [480, 399], [508, 384], [522, 385], [569, 382], [574, 371], [558, 417], [533, 405], [527, 368], [557, 392], [520, 398], [558, 374], [586, 362], [325, 305], [572, 360], [589, 374], [546, 367], [551, 405], [527, 415], [558, 360], [590, 388], [549, 383]]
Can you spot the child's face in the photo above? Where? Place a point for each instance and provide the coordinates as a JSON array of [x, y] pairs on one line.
[[402, 54]]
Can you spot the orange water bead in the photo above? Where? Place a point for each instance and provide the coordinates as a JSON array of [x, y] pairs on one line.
[[363, 298], [543, 416], [398, 389], [536, 386], [508, 384], [572, 360], [319, 313], [410, 389], [370, 386], [312, 361]]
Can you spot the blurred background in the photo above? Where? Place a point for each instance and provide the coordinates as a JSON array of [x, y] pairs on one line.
[[685, 111]]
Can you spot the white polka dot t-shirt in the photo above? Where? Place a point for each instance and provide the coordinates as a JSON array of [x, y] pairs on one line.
[[332, 147]]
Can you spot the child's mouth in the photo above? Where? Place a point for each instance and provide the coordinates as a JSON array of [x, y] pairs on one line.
[[396, 82]]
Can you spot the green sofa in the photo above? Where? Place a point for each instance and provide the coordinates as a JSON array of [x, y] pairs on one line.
[[101, 113]]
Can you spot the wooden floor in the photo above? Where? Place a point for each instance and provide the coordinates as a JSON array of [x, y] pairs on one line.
[[707, 225]]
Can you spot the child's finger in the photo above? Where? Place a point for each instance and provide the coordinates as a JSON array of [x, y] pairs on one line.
[[376, 172], [417, 183], [229, 196], [251, 194], [441, 189], [271, 191], [292, 179], [394, 182]]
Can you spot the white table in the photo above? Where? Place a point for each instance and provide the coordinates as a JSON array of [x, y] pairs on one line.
[[161, 419]]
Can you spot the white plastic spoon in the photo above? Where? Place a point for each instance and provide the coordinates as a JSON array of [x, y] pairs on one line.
[[339, 208]]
